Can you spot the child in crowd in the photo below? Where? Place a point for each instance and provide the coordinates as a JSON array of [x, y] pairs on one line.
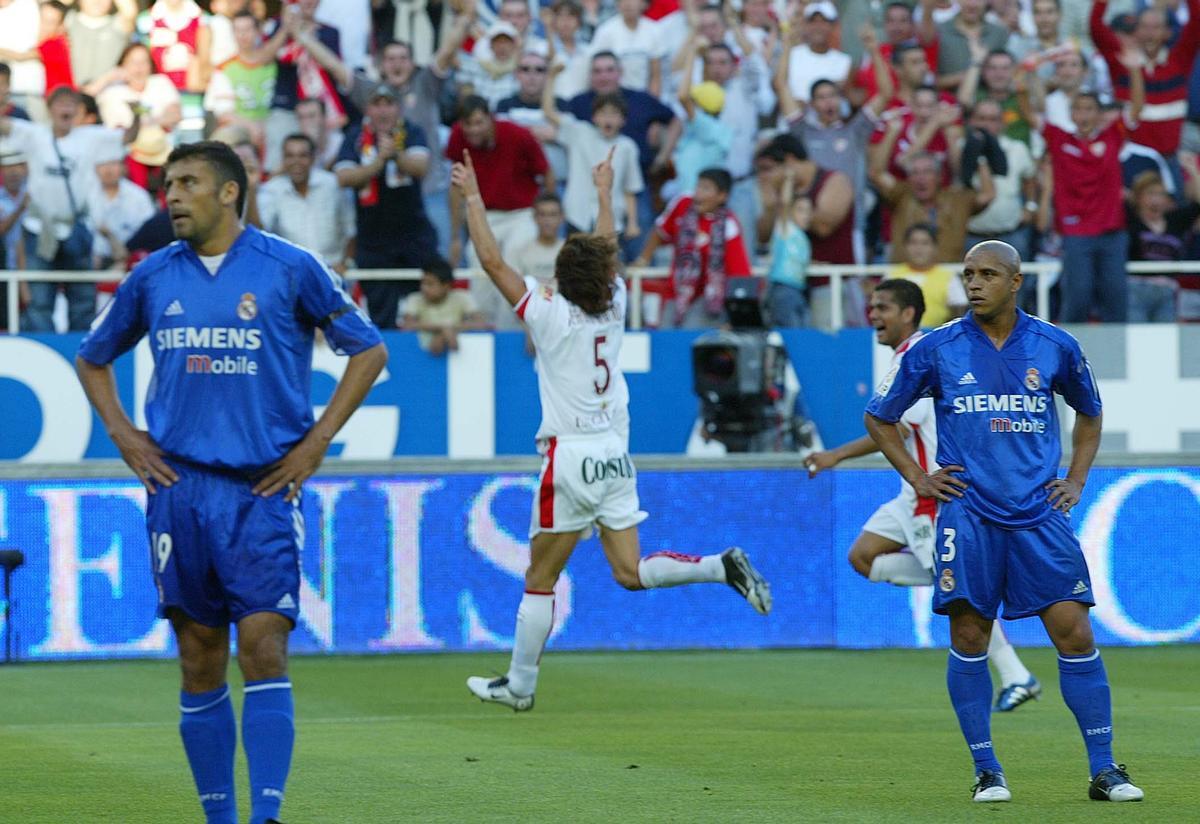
[[945, 297], [791, 254], [709, 248], [587, 145], [438, 312], [534, 259], [705, 141]]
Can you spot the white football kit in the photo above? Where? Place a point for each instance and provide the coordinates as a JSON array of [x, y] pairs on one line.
[[587, 476], [906, 519]]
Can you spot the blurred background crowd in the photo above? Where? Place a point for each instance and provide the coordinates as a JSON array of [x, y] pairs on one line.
[[749, 137]]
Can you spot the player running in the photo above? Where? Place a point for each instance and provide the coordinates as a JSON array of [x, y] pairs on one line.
[[896, 543], [587, 476], [1003, 528], [230, 314]]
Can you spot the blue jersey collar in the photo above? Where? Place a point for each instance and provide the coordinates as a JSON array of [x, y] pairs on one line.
[[249, 236], [971, 324]]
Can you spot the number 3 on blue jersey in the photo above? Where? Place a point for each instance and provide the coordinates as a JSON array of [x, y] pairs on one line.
[[948, 543]]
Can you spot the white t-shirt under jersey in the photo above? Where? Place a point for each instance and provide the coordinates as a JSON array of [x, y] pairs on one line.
[[921, 440], [580, 383]]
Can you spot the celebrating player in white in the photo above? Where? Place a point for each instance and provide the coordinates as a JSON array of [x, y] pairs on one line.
[[587, 477], [906, 521]]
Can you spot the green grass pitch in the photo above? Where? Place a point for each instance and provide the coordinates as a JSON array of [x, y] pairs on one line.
[[756, 736]]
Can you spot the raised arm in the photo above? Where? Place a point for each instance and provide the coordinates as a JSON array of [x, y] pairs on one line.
[[880, 156], [927, 29], [549, 104], [691, 50], [1133, 60], [788, 104], [510, 284], [1106, 40], [602, 178], [443, 61], [885, 85], [329, 61], [970, 78]]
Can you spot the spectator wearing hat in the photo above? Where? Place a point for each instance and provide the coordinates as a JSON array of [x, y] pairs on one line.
[[117, 207], [306, 205], [420, 90], [384, 160], [960, 37], [812, 56], [97, 33], [438, 312], [635, 39], [518, 15], [491, 74], [56, 233], [511, 168], [705, 141], [14, 199]]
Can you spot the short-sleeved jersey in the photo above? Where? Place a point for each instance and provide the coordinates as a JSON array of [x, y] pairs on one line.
[[921, 440], [580, 383], [995, 409], [232, 351]]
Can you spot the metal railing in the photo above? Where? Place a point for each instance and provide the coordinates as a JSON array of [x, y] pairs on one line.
[[836, 273]]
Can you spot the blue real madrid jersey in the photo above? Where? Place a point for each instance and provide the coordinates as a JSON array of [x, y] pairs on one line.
[[995, 409], [232, 350]]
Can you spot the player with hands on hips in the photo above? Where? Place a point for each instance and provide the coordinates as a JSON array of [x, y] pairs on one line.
[[1003, 534], [587, 479]]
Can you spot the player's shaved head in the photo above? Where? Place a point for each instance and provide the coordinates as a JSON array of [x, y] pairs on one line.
[[1006, 256]]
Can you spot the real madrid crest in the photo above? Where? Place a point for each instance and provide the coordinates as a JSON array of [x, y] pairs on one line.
[[947, 581], [1033, 380], [247, 308]]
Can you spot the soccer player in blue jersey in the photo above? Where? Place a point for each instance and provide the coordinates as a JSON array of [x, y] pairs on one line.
[[230, 313], [1003, 531]]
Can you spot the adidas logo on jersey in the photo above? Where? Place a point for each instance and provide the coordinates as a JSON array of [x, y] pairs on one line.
[[1080, 587], [176, 308], [966, 379], [286, 602]]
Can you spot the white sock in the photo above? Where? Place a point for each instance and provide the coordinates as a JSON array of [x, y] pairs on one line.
[[900, 568], [535, 617], [1004, 658], [670, 569]]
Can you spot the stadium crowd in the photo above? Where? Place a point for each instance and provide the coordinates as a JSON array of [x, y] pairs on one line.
[[763, 135]]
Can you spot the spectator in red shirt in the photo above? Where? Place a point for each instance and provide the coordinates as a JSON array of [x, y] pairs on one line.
[[512, 171], [899, 31], [52, 49], [1164, 71], [1088, 204], [709, 248]]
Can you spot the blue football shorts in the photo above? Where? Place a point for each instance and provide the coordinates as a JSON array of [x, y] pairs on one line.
[[220, 553], [985, 564]]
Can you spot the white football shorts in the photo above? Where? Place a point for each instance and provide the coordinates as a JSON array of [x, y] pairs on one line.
[[896, 522], [585, 479]]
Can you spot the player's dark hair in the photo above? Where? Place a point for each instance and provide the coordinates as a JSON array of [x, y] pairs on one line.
[[223, 160], [439, 268], [472, 103], [547, 197], [584, 268], [300, 137], [719, 178], [907, 295], [614, 100]]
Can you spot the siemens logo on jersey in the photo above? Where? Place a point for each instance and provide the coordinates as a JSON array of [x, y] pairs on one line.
[[209, 337], [1000, 403]]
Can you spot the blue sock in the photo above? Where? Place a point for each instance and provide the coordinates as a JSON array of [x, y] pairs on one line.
[[267, 734], [209, 734], [970, 686], [1084, 686]]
